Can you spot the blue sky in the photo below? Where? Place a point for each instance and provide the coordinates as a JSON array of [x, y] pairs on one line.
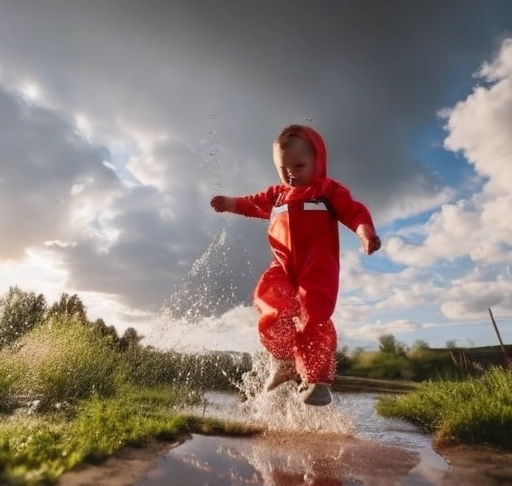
[[118, 124]]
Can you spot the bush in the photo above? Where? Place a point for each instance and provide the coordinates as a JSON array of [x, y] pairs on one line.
[[343, 360], [216, 371], [388, 344], [60, 360], [6, 384], [381, 365]]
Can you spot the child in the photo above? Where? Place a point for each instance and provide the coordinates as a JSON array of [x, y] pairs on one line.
[[297, 294]]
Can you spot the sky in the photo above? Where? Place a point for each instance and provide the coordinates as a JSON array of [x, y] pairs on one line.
[[120, 120]]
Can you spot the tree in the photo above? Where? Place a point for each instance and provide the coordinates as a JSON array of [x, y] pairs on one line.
[[108, 332], [129, 340], [343, 360], [388, 344], [420, 345], [451, 344], [20, 311], [356, 353], [71, 306]]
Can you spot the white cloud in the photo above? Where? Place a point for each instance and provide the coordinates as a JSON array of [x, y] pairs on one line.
[[166, 164], [373, 331], [31, 91], [382, 290], [416, 199], [350, 310], [501, 66], [480, 227], [37, 271], [451, 233], [469, 297]]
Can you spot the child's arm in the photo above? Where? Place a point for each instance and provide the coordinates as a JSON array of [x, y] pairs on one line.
[[222, 204], [355, 216], [255, 206], [369, 238]]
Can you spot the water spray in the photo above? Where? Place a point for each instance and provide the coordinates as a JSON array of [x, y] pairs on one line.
[[194, 299]]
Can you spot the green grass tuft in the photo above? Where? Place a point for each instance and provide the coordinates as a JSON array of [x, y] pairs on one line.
[[477, 411]]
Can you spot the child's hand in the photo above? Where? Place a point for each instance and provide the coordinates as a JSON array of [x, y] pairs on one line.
[[222, 204], [371, 242]]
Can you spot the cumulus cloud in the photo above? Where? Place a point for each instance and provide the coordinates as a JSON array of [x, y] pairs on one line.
[[479, 227], [469, 297], [449, 234], [52, 184]]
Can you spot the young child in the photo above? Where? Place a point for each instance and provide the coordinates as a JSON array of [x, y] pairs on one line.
[[296, 295]]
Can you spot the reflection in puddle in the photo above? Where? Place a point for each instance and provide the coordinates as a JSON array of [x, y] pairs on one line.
[[285, 460]]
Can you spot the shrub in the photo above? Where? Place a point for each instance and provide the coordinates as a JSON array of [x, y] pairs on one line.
[[381, 365], [150, 367], [60, 360]]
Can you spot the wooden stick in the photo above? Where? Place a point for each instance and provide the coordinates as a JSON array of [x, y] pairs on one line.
[[503, 350]]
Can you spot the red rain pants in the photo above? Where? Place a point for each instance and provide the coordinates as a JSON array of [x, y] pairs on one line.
[[289, 329]]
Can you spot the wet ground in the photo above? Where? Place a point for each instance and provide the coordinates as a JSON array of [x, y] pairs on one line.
[[344, 444]]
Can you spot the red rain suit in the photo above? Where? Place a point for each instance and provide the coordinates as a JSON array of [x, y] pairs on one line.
[[297, 294]]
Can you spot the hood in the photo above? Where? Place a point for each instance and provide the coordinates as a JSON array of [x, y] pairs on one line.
[[316, 140]]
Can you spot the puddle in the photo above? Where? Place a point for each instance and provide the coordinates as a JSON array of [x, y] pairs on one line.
[[365, 450], [283, 460]]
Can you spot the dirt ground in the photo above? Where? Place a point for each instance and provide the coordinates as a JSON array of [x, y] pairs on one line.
[[477, 466], [123, 469]]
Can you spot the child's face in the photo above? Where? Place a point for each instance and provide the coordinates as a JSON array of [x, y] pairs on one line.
[[295, 164]]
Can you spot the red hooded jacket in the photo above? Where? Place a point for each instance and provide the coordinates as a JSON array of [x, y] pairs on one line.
[[303, 230]]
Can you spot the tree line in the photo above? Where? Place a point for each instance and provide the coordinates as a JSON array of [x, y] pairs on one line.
[[22, 311]]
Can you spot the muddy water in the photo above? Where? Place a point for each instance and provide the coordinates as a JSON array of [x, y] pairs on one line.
[[345, 444]]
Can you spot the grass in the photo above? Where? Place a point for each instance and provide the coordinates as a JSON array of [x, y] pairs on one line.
[[68, 398], [477, 411], [36, 450]]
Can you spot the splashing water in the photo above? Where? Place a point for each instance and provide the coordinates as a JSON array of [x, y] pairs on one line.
[[187, 300], [210, 148], [282, 410], [208, 288]]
